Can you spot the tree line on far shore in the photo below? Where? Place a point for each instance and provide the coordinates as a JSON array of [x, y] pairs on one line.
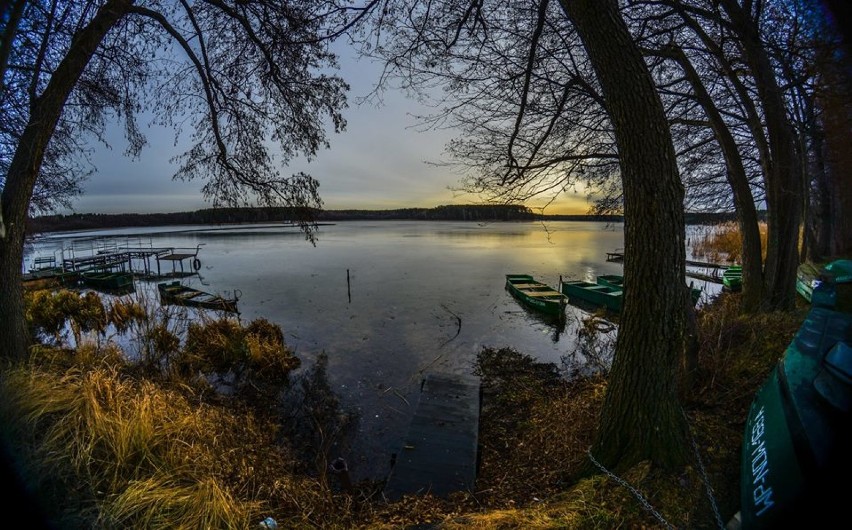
[[468, 212]]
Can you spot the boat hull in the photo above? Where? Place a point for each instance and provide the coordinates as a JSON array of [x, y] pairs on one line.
[[107, 281], [536, 295], [175, 293], [596, 294], [611, 280], [797, 437], [732, 278], [616, 281], [806, 274]]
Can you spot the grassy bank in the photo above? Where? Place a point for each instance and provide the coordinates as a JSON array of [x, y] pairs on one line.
[[147, 438]]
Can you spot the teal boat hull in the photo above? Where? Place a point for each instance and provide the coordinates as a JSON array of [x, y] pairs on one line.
[[595, 294], [796, 443], [536, 295], [732, 278], [806, 276], [821, 287], [107, 281], [611, 280], [616, 281]]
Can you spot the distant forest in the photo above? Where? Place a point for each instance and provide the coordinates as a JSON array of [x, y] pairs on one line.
[[471, 212]]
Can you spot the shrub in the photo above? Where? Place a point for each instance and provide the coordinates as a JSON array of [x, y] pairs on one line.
[[239, 355], [49, 312]]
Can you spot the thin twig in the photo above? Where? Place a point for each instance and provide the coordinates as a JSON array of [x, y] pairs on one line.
[[458, 331]]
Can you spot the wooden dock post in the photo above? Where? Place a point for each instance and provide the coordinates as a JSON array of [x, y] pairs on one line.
[[440, 452]]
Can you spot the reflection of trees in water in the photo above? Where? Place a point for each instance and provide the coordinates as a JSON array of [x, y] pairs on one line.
[[314, 420], [594, 348], [555, 325]]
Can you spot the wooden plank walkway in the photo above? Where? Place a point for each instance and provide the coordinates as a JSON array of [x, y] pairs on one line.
[[707, 264], [440, 452], [615, 256]]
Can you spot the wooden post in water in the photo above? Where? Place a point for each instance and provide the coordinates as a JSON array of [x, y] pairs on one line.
[[348, 290]]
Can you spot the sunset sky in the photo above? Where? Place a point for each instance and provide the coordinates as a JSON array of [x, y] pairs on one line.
[[379, 162]]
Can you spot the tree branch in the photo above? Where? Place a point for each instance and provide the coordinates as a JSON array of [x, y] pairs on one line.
[[542, 12], [223, 157]]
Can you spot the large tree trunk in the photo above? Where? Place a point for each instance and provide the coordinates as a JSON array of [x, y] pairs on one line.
[[783, 187], [641, 417], [25, 167], [817, 198], [837, 212]]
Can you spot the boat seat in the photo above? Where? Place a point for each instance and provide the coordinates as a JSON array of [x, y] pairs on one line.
[[527, 285], [543, 293]]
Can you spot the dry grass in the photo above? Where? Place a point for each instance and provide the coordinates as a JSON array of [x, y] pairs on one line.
[[535, 428], [108, 450], [130, 452], [109, 445], [724, 243]]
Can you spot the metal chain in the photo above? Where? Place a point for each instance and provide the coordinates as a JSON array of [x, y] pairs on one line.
[[636, 493], [647, 505], [707, 486]]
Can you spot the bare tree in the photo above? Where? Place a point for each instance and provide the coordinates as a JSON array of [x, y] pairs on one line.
[[239, 77]]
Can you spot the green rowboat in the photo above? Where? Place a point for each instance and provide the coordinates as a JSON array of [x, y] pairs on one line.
[[536, 295], [175, 293], [616, 281], [611, 280], [594, 294], [806, 275], [827, 287], [732, 278], [107, 281], [796, 445]]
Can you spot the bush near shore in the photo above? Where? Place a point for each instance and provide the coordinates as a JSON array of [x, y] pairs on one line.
[[113, 439]]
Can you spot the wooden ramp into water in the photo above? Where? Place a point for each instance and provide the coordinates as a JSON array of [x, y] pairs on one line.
[[440, 452]]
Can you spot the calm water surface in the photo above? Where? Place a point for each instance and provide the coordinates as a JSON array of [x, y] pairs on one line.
[[411, 283]]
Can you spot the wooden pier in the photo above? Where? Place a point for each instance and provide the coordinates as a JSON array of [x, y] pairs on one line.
[[617, 256], [712, 271], [123, 258], [707, 264], [440, 452]]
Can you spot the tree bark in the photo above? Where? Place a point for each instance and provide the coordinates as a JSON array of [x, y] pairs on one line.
[[641, 417], [836, 191], [26, 164], [12, 12], [815, 195]]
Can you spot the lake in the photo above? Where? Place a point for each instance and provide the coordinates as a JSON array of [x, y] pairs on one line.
[[420, 297]]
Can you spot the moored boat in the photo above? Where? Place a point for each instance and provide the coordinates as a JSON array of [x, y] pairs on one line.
[[833, 286], [176, 293], [594, 293], [732, 278], [107, 281], [535, 294], [806, 275], [611, 280], [616, 281], [796, 442]]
